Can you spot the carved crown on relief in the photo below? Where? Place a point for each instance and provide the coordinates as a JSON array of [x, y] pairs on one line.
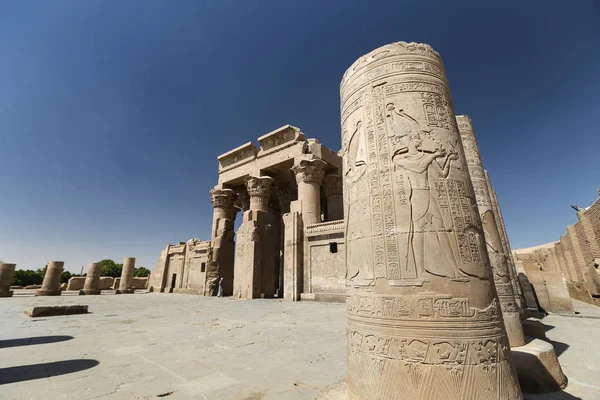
[[309, 170], [259, 186], [223, 198]]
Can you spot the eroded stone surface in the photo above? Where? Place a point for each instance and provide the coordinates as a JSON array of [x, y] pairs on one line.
[[419, 278], [50, 311], [7, 271], [51, 284]]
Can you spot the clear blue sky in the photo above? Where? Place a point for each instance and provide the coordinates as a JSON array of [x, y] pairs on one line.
[[112, 113]]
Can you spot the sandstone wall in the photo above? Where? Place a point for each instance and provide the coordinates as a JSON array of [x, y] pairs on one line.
[[325, 257], [575, 256], [76, 283]]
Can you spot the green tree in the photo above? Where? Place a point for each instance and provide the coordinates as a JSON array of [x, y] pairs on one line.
[[26, 278], [141, 272], [109, 268]]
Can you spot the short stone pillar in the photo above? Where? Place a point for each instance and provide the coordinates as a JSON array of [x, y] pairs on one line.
[[309, 174], [7, 272], [423, 320], [51, 283], [335, 201], [495, 248], [92, 280], [125, 286]]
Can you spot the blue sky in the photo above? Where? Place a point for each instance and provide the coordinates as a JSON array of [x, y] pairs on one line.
[[112, 113]]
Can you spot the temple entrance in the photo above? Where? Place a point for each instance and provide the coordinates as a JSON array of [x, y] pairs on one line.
[[173, 281]]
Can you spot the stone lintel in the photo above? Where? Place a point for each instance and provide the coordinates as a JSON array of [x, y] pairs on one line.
[[246, 151], [279, 136]]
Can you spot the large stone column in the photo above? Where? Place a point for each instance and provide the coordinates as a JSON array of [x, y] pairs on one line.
[[225, 204], [495, 249], [51, 283], [335, 201], [309, 174], [256, 244], [423, 315], [125, 286], [7, 272], [518, 290], [92, 279]]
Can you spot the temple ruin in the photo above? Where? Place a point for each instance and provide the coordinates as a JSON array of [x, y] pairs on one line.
[[290, 244]]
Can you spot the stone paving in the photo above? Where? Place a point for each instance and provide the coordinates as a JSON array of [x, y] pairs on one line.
[[148, 346]]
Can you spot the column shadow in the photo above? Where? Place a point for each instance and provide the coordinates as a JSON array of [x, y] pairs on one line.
[[44, 370], [559, 347], [33, 341]]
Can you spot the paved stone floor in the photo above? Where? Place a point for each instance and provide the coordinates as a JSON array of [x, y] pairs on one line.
[[148, 346]]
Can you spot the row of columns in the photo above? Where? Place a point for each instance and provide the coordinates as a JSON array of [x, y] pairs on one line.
[[51, 283], [265, 207], [492, 232]]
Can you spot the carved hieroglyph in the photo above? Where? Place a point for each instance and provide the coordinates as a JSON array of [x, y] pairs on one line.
[[495, 248], [423, 317], [518, 291]]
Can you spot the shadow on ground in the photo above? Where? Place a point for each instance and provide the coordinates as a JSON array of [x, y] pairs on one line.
[[44, 370], [33, 340], [559, 347], [550, 396]]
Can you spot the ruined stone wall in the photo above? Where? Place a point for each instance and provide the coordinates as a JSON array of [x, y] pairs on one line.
[[325, 268], [576, 255]]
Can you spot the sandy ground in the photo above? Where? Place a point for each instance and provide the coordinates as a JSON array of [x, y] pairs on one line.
[[148, 346]]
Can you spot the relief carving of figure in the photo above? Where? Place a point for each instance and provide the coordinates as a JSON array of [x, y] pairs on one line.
[[359, 263], [429, 248]]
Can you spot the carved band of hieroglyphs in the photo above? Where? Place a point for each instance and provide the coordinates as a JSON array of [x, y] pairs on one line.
[[431, 308], [453, 200], [355, 105], [330, 236], [389, 223], [481, 194], [430, 351], [395, 68], [376, 201]]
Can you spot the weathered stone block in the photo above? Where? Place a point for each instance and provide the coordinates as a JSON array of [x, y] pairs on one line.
[[49, 311], [538, 368]]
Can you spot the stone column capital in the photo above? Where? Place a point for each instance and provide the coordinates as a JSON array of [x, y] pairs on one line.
[[259, 186], [259, 190], [222, 198], [333, 185], [307, 170]]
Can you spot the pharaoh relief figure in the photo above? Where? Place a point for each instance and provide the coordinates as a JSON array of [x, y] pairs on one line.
[[428, 233]]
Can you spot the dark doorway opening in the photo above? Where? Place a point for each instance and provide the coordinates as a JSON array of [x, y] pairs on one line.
[[173, 280]]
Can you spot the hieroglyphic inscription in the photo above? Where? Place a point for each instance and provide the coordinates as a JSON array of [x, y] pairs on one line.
[[351, 85], [376, 201], [430, 308], [437, 106], [392, 261], [431, 351], [481, 194], [436, 109], [453, 200]]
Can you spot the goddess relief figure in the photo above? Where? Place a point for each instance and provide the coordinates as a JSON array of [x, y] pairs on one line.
[[429, 247], [360, 268]]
